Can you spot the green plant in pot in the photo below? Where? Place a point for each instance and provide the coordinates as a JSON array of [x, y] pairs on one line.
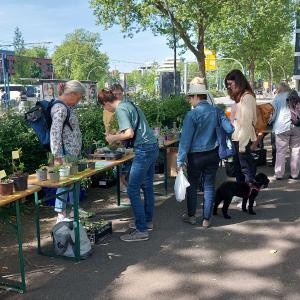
[[6, 186], [72, 161], [64, 171], [82, 165], [53, 173], [19, 177], [41, 173]]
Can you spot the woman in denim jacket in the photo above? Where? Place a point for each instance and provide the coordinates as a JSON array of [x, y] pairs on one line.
[[198, 143]]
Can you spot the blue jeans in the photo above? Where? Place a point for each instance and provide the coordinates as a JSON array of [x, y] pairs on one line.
[[60, 206], [244, 164], [202, 165], [141, 176]]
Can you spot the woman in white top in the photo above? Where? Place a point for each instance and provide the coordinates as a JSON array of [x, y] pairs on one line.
[[244, 135]]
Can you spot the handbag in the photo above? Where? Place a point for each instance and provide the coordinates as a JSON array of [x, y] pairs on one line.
[[226, 147], [130, 142]]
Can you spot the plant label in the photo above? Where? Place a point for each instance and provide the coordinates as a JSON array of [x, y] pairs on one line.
[[15, 154], [2, 174]]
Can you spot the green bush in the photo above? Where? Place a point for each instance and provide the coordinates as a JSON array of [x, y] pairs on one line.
[[14, 134], [163, 112]]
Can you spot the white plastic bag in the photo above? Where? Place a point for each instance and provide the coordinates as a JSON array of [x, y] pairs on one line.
[[180, 186]]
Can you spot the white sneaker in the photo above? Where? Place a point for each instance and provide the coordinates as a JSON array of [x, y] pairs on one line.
[[123, 188]]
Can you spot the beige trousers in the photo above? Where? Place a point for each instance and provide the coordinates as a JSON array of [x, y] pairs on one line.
[[289, 140]]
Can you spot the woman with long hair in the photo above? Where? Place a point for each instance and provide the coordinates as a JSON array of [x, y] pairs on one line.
[[245, 119]]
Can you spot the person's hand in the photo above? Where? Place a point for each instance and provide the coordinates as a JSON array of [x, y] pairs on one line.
[[178, 168], [58, 161], [110, 138], [253, 146]]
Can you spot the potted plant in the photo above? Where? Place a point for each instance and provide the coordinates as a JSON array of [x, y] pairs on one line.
[[91, 165], [64, 171], [19, 177], [41, 173], [53, 173], [72, 161], [82, 165], [6, 187]]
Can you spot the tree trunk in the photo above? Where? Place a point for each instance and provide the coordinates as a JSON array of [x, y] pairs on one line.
[[251, 71], [201, 56]]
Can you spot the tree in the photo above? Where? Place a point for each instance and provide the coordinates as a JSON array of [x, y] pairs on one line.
[[18, 41], [142, 81], [40, 51], [189, 18], [250, 30], [79, 56]]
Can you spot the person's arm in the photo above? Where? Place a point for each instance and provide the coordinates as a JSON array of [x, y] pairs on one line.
[[59, 115], [125, 127], [226, 123], [186, 138]]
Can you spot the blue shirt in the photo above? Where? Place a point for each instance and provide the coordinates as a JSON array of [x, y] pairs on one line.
[[199, 130], [282, 116]]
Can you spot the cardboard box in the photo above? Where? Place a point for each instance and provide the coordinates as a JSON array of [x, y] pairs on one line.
[[171, 161]]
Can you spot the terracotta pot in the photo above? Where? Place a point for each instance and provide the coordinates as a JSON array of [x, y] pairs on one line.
[[7, 188], [20, 182]]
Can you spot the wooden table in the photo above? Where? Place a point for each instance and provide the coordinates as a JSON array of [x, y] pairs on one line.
[[15, 199], [72, 183]]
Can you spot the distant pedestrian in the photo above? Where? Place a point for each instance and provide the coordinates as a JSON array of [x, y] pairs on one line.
[[245, 118], [287, 135]]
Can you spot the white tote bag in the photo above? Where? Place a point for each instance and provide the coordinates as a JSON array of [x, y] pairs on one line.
[[180, 186]]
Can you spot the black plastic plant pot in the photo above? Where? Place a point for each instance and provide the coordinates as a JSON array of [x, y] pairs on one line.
[[91, 165], [20, 182], [82, 166]]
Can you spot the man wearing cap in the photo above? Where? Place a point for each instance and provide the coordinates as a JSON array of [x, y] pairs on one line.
[[198, 143]]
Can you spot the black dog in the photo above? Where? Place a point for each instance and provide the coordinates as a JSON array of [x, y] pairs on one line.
[[228, 189]]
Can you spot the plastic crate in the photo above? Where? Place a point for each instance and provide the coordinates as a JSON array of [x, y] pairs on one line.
[[98, 234]]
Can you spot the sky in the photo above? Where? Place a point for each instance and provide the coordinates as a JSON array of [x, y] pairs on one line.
[[51, 20]]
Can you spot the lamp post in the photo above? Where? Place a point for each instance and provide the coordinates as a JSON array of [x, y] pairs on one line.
[[174, 45], [91, 70]]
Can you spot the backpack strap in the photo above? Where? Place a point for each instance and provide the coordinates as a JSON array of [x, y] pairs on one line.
[[137, 124], [67, 120]]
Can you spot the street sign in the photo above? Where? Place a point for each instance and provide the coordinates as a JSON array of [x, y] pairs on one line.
[[210, 60]]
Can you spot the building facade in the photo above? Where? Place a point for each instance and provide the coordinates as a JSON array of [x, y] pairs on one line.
[[44, 63]]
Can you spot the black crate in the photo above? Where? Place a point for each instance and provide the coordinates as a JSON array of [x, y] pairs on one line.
[[98, 234]]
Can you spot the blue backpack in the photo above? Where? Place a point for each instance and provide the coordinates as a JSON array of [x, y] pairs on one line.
[[39, 119]]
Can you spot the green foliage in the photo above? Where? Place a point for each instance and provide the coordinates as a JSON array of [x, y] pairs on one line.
[[163, 112], [40, 51], [79, 57], [91, 126], [250, 30], [189, 19], [18, 41], [143, 82], [14, 133]]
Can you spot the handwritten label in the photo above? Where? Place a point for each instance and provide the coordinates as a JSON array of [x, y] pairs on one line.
[[2, 174], [15, 154]]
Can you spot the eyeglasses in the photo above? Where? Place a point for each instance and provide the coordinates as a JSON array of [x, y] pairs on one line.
[[230, 83]]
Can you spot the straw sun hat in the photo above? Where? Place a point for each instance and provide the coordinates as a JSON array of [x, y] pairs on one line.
[[197, 87]]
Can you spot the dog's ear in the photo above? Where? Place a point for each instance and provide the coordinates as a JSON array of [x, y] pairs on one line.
[[262, 178]]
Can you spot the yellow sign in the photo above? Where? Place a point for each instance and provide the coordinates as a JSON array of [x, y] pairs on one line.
[[15, 154], [210, 60], [2, 174]]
